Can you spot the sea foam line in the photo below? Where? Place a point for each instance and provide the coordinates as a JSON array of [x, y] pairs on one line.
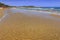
[[5, 14]]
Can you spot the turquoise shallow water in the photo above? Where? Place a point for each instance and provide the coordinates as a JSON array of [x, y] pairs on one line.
[[44, 10], [49, 10]]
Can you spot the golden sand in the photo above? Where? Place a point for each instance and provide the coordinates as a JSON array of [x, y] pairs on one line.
[[21, 27]]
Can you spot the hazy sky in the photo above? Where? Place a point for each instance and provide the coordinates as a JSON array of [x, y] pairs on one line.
[[43, 3]]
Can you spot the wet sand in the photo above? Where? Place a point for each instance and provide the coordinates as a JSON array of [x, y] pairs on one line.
[[1, 12], [19, 26]]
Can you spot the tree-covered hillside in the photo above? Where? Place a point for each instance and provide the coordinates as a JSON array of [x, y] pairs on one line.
[[3, 5]]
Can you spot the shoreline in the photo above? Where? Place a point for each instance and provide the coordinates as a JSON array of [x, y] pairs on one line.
[[48, 12]]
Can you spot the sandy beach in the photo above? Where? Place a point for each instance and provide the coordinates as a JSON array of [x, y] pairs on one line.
[[20, 26]]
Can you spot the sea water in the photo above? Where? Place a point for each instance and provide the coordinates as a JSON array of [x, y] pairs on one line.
[[53, 10]]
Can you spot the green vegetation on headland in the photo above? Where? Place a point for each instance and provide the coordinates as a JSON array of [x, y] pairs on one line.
[[3, 5]]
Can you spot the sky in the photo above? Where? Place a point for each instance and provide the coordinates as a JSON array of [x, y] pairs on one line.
[[40, 3]]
